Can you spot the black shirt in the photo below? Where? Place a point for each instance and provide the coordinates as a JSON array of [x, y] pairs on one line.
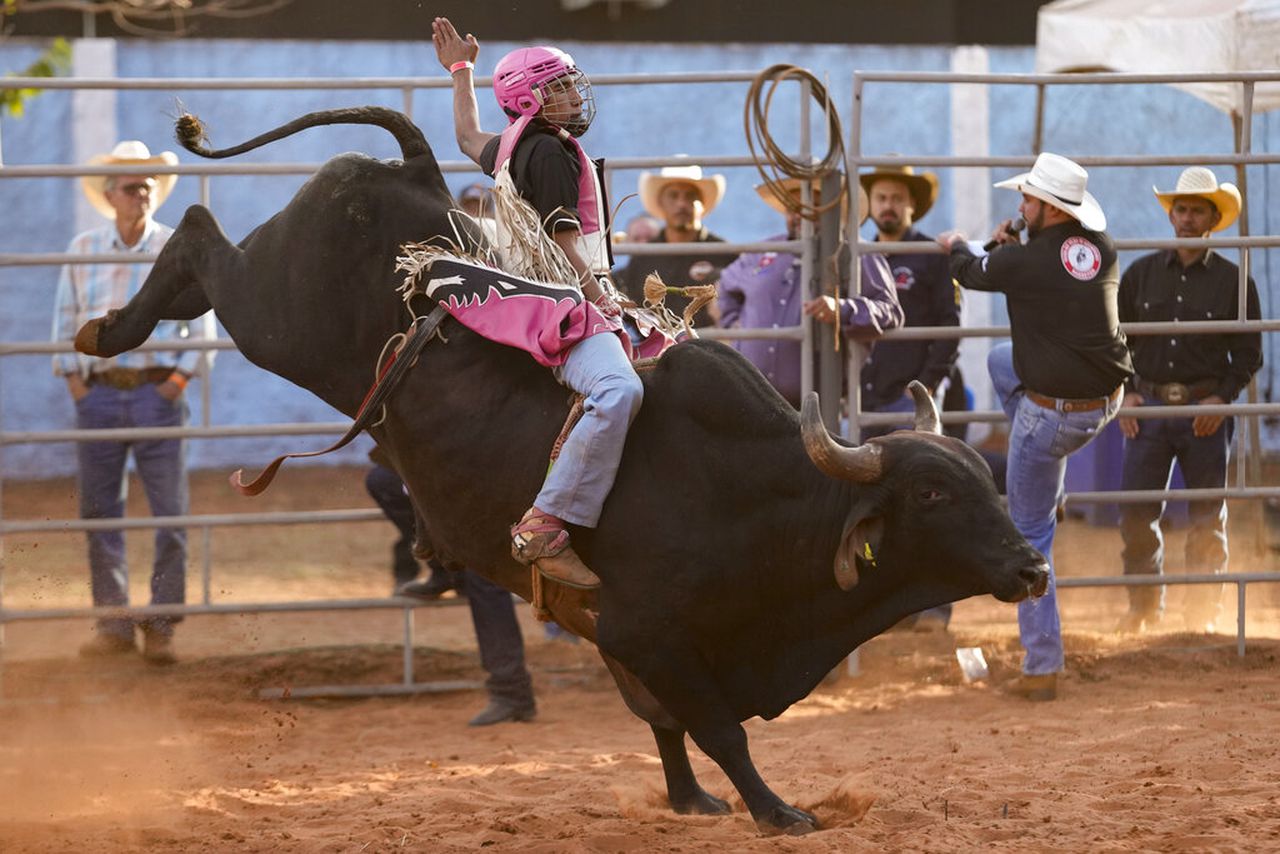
[[1157, 287], [929, 297], [1061, 289], [545, 172], [674, 270]]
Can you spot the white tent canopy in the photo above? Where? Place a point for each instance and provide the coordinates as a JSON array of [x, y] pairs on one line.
[[1167, 36]]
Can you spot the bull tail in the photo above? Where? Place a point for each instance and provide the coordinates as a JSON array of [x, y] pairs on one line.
[[192, 135]]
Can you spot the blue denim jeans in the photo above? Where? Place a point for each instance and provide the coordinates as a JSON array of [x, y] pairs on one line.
[[103, 486], [1148, 464], [387, 489], [1040, 440], [581, 478]]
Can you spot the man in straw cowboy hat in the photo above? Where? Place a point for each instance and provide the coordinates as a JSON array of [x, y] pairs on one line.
[[899, 197], [680, 197], [762, 290], [1061, 379], [135, 389], [1205, 369]]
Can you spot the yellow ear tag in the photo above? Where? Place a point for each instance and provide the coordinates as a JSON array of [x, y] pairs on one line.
[[868, 554]]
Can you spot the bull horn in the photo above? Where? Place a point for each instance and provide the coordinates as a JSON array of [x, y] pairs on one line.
[[927, 418], [862, 464]]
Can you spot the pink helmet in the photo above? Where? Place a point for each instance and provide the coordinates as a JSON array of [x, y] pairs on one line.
[[522, 83]]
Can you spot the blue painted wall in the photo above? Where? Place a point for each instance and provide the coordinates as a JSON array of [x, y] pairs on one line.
[[701, 119]]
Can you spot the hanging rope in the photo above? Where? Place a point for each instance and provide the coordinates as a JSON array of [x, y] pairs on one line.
[[773, 164]]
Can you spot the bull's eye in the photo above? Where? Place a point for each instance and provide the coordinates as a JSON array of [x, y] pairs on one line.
[[931, 496]]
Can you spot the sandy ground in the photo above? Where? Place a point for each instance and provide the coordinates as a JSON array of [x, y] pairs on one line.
[[1163, 742]]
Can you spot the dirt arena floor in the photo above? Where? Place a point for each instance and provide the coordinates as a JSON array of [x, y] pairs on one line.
[[1160, 742]]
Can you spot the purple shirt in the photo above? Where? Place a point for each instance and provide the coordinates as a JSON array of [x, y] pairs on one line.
[[761, 290]]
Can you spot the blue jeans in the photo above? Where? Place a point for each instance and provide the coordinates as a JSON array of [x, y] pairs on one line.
[[1040, 440], [1148, 464], [103, 485], [581, 478]]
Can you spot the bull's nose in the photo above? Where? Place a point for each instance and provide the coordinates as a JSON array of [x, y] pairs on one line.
[[1036, 577]]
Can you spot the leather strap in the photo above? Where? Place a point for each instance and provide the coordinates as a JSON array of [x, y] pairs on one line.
[[1065, 404]]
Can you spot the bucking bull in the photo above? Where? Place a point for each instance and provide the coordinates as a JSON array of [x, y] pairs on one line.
[[743, 551]]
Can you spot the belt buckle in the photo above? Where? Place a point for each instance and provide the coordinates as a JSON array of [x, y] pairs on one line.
[[1175, 394], [124, 379]]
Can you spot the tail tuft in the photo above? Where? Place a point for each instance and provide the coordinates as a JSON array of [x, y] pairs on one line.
[[190, 132]]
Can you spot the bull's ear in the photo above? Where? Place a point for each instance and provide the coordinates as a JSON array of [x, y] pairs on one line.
[[859, 545]]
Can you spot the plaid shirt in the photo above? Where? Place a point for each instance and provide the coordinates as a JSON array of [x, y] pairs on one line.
[[86, 291]]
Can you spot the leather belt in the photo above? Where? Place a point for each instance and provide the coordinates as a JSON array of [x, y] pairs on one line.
[[1067, 404], [127, 379], [1175, 394]]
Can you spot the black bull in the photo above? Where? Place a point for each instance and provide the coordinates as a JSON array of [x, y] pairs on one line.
[[736, 572]]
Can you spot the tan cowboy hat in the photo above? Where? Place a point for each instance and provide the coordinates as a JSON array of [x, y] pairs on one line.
[[792, 185], [1060, 182], [923, 187], [710, 188], [1199, 181], [131, 152]]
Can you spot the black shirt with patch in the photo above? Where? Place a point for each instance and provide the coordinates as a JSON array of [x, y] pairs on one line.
[[1157, 287], [1061, 289]]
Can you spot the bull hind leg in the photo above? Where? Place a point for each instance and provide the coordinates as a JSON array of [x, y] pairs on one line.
[[172, 290]]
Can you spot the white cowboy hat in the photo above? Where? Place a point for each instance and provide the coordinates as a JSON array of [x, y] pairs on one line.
[[792, 185], [710, 188], [1060, 182], [1199, 181], [131, 152]]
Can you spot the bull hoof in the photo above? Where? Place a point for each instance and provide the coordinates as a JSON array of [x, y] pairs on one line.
[[786, 819], [89, 335], [702, 803]]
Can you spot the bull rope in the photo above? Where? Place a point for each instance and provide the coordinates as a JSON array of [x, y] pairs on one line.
[[402, 359]]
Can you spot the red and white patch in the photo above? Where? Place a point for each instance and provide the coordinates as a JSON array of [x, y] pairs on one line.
[[1081, 258], [904, 278]]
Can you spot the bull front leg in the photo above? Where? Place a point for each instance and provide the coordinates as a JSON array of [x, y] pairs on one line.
[[166, 294], [685, 794], [674, 675]]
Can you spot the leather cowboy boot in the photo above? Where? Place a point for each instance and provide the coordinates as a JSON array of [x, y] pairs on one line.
[[541, 541]]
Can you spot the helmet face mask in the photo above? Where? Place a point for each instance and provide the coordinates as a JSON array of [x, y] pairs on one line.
[[544, 80]]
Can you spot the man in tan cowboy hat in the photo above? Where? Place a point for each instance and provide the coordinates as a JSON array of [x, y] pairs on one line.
[[899, 197], [134, 389], [762, 290], [679, 196], [1205, 369], [1061, 379]]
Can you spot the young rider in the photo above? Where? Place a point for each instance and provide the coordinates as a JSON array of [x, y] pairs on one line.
[[549, 104]]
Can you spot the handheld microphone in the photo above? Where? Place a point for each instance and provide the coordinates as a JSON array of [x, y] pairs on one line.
[[1012, 228]]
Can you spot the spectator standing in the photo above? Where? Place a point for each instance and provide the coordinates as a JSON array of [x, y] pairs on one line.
[[140, 388], [1183, 370], [1062, 377], [680, 197], [899, 198], [493, 615], [762, 290], [930, 297]]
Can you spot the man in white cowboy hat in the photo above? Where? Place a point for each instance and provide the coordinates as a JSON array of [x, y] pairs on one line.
[[134, 389], [1205, 369], [1061, 379], [680, 197], [762, 290]]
